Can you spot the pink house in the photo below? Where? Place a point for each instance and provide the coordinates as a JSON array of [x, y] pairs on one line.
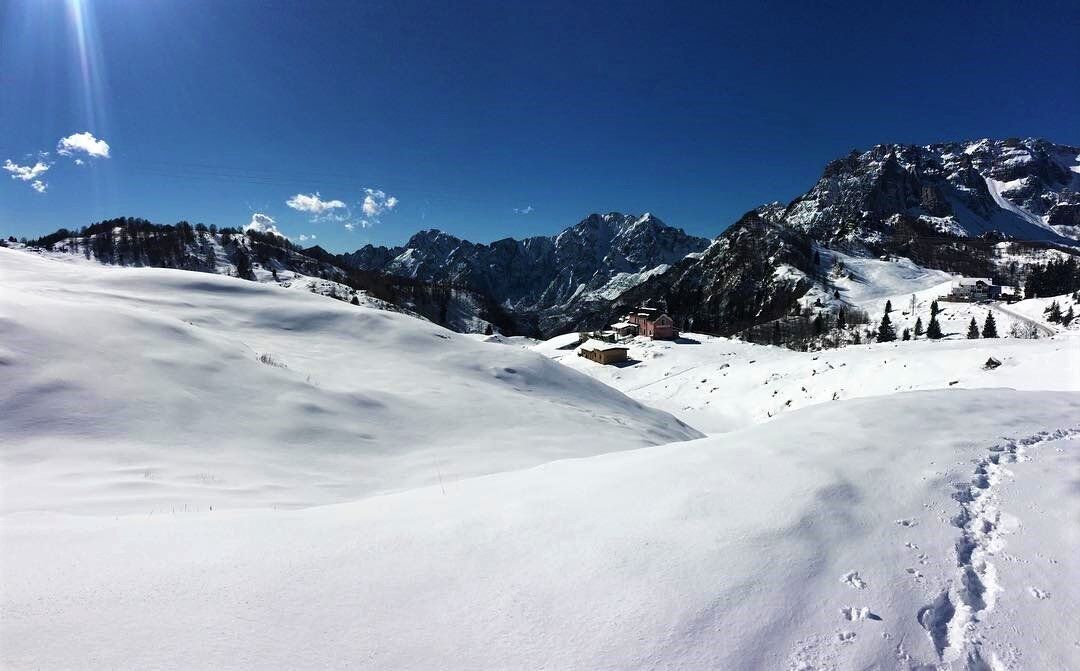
[[652, 323]]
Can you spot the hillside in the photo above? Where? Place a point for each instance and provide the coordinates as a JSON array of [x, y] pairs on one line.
[[217, 452], [826, 539], [144, 391]]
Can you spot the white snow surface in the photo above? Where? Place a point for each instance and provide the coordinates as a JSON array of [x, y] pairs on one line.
[[143, 390], [395, 496], [733, 552]]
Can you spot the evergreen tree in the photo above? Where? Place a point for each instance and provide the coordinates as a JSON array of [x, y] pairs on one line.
[[817, 259], [989, 326], [836, 294], [819, 324], [1067, 318], [886, 332], [918, 327], [888, 307], [841, 320], [934, 310], [488, 330], [933, 330], [777, 336], [906, 335], [973, 329], [355, 300], [1053, 313]]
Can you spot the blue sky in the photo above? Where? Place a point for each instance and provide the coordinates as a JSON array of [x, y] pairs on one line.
[[493, 119]]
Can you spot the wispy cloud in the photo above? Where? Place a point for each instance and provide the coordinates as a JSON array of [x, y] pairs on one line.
[[28, 173], [313, 203], [376, 202], [25, 172], [523, 210], [263, 223], [84, 143], [305, 238], [350, 226]]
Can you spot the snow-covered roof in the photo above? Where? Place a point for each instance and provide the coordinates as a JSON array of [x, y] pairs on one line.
[[972, 281], [621, 325], [600, 345]]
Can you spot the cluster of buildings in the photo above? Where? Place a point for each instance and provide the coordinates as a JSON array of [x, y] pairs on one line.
[[975, 289], [607, 347]]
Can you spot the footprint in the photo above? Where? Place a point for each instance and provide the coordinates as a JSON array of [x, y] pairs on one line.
[[853, 580], [916, 574], [855, 614], [1038, 593], [845, 636], [908, 523]]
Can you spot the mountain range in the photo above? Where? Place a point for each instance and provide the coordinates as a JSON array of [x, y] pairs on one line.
[[988, 207]]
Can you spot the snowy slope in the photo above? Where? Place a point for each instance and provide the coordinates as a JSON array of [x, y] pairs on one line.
[[721, 384], [138, 390], [845, 536]]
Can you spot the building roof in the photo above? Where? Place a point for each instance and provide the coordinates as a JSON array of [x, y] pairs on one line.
[[621, 325], [600, 345], [972, 281]]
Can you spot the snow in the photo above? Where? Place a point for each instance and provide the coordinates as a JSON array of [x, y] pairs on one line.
[[147, 390], [388, 494], [720, 384], [997, 187], [729, 552]]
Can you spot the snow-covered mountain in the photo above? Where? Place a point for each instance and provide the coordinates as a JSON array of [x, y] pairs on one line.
[[597, 259], [1023, 189]]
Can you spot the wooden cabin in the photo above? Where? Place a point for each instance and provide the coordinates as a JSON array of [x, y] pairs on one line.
[[603, 352]]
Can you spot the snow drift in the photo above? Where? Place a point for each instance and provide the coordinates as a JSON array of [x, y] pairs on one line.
[[138, 390]]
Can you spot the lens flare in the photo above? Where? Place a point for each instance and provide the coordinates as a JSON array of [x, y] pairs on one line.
[[91, 77]]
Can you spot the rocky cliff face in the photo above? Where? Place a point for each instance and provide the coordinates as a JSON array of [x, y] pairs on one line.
[[959, 188], [949, 206], [603, 255]]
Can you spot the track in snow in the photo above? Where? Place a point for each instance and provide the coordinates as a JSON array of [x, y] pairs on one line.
[[952, 619]]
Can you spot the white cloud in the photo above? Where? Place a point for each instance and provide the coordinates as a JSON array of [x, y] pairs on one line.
[[350, 226], [376, 202], [263, 223], [38, 185], [79, 161], [313, 203], [523, 210], [305, 238], [25, 172], [83, 142]]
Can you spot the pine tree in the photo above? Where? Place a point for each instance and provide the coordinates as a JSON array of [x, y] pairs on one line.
[[819, 324], [933, 330], [918, 327], [906, 335], [817, 259], [886, 332], [841, 320], [973, 329], [934, 310], [1068, 317], [1053, 313], [989, 326], [836, 294], [888, 307], [355, 300]]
